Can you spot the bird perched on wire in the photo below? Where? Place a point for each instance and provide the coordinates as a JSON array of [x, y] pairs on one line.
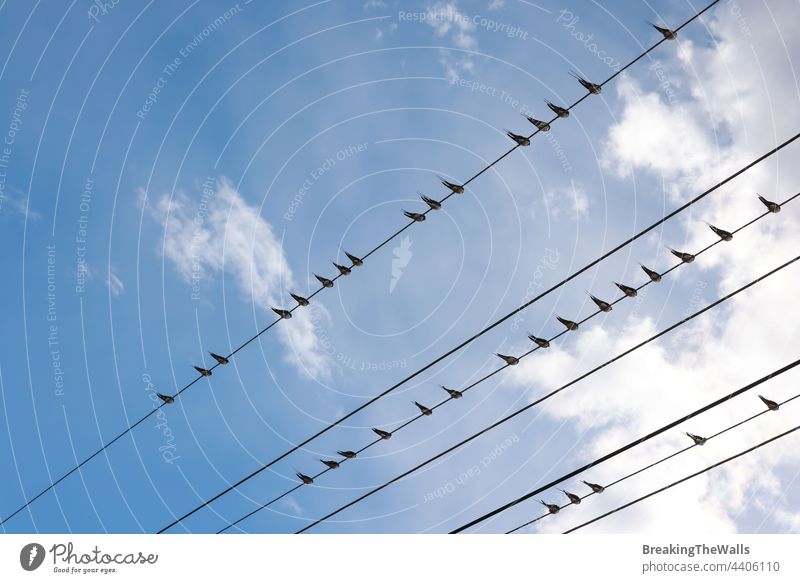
[[218, 358], [301, 301], [653, 275], [721, 233], [343, 269], [334, 465], [382, 434], [356, 261], [552, 508], [557, 109], [285, 314], [772, 207], [203, 371], [510, 360], [685, 257], [324, 281], [573, 498], [667, 33], [596, 488], [540, 125], [351, 455], [166, 398], [602, 305], [540, 342], [434, 204], [771, 405], [592, 88], [696, 438], [418, 217], [423, 409], [305, 479], [454, 187], [571, 326], [452, 392], [627, 290], [520, 140]]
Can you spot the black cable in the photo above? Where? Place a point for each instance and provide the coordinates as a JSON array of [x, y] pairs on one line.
[[494, 372], [551, 394], [334, 279], [684, 479], [662, 459]]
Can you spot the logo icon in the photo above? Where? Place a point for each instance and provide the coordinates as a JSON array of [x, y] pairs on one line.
[[31, 556]]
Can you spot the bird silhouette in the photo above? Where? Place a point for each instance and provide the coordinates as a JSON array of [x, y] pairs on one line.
[[510, 360], [219, 359], [697, 439], [653, 275], [772, 207], [418, 217], [453, 393], [357, 261], [305, 479], [571, 326], [343, 269], [434, 204], [351, 455], [166, 398], [300, 300], [557, 109], [520, 140], [334, 465], [627, 290], [596, 488], [203, 371], [592, 88], [685, 257], [540, 125], [573, 498], [604, 306], [771, 405], [721, 233], [382, 434], [324, 281], [540, 342], [285, 314], [667, 33], [454, 187], [552, 508], [423, 409]]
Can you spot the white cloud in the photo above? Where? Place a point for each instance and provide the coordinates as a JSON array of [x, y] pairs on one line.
[[231, 237], [571, 201], [114, 283], [448, 22], [496, 4], [739, 105]]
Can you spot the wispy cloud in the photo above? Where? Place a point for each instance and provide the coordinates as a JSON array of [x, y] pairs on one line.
[[449, 22]]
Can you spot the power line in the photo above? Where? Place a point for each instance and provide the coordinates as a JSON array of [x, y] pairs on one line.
[[684, 479], [496, 371], [661, 460], [482, 332], [552, 393], [334, 279]]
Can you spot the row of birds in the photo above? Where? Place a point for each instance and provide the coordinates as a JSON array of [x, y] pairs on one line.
[[598, 489], [570, 325], [433, 204]]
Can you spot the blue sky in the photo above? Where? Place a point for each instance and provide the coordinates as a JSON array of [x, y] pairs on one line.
[[175, 169]]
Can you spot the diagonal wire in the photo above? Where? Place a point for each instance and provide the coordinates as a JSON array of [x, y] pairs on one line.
[[684, 479], [496, 371], [368, 254], [552, 393], [667, 457]]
